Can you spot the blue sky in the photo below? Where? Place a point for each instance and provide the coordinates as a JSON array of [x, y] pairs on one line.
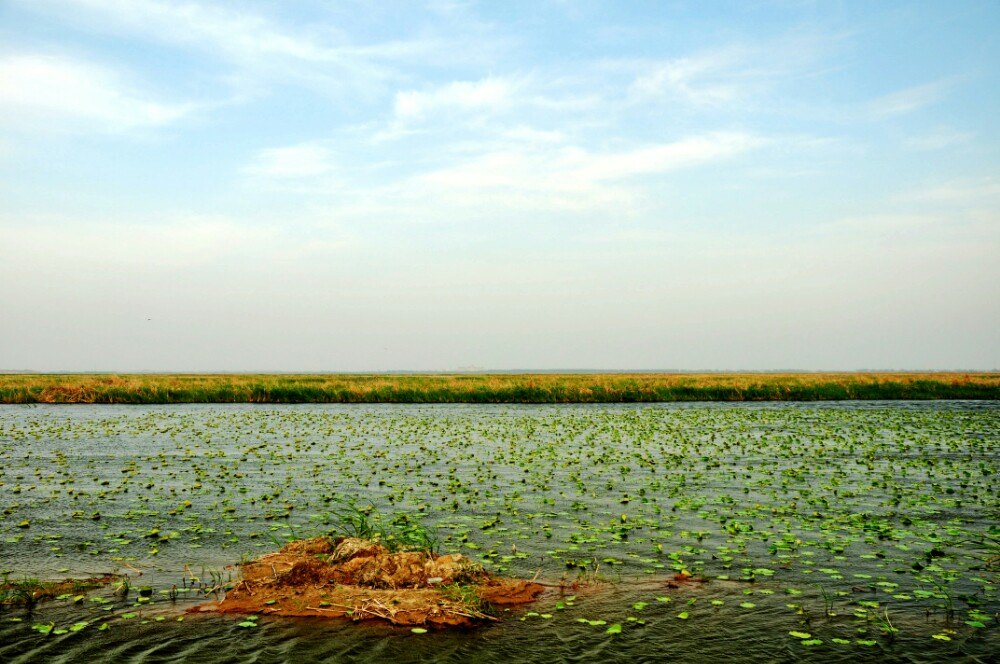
[[374, 186]]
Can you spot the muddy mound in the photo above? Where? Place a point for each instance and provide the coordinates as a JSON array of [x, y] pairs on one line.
[[361, 579]]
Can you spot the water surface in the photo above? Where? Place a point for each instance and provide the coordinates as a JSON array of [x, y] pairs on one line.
[[879, 513]]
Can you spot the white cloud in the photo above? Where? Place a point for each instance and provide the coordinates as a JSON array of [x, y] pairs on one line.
[[559, 177], [707, 79], [260, 45], [475, 105], [239, 34], [908, 100], [959, 211], [295, 161], [499, 179], [938, 139], [51, 91], [737, 74], [533, 135], [968, 193], [574, 169], [882, 223], [488, 94], [665, 157]]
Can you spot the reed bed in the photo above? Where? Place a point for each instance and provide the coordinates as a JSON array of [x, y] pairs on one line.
[[491, 388]]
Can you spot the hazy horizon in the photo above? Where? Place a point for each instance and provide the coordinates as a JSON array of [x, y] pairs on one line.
[[486, 371], [257, 186]]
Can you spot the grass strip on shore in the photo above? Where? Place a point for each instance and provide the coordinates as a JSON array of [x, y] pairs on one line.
[[491, 388]]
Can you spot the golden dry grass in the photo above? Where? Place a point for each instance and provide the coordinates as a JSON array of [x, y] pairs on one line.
[[491, 388]]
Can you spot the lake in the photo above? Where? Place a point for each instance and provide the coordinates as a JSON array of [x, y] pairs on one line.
[[825, 531]]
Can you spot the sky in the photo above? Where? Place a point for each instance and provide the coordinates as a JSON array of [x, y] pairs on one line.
[[378, 186]]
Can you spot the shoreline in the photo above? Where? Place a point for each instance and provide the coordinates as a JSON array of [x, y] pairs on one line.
[[526, 388]]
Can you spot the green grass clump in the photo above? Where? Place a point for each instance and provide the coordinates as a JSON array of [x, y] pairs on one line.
[[398, 532]]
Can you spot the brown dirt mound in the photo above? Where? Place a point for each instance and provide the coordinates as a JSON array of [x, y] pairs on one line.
[[361, 579]]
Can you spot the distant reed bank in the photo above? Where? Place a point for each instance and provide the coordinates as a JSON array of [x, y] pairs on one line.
[[491, 388]]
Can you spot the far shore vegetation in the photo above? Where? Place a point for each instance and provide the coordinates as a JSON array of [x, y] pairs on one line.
[[491, 388]]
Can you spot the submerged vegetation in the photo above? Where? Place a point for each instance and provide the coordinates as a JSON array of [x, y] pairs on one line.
[[491, 388]]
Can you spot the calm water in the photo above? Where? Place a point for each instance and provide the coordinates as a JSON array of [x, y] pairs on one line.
[[833, 520]]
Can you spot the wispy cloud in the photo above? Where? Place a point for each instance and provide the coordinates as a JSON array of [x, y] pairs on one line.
[[939, 138], [59, 93], [734, 73], [529, 170], [706, 79], [294, 161], [908, 100], [566, 177], [965, 211], [533, 135], [968, 192], [572, 167], [492, 108], [238, 34], [260, 45], [489, 94]]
